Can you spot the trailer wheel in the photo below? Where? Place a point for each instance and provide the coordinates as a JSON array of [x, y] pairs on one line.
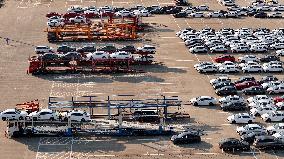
[[65, 119], [34, 118], [4, 118]]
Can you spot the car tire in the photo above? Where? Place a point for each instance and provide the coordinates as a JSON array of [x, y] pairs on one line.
[[195, 104], [259, 71], [233, 122], [83, 120], [211, 104], [34, 118], [268, 120], [21, 118], [249, 122], [51, 118], [283, 120], [257, 114], [4, 118]]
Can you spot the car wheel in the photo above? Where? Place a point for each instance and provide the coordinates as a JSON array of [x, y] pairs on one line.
[[51, 118], [233, 122], [83, 120], [65, 119], [195, 104], [103, 57], [4, 118], [268, 120], [211, 104], [21, 118], [259, 71], [283, 120], [34, 118], [249, 122], [257, 114]]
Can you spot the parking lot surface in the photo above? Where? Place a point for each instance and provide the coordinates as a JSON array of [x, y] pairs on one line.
[[24, 22]]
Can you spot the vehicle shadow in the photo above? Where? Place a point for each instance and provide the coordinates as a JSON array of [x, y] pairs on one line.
[[199, 146]]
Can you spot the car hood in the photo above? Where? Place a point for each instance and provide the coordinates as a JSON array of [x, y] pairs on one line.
[[193, 100], [265, 115], [240, 129], [230, 117]]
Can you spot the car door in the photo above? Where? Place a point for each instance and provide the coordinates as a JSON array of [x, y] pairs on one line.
[[43, 115], [11, 115]]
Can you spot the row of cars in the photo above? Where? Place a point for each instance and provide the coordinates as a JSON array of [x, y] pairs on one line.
[[69, 53], [247, 64], [226, 40], [45, 115]]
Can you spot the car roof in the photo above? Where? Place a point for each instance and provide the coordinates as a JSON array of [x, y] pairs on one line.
[[253, 125], [9, 110], [205, 97]]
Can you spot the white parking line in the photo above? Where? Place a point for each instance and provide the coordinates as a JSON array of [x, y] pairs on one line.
[[169, 37], [153, 154], [170, 92], [206, 153], [103, 155], [184, 60], [165, 83], [226, 124]]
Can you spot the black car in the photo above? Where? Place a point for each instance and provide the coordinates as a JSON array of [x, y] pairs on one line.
[[108, 48], [268, 58], [250, 137], [268, 79], [231, 106], [127, 48], [65, 49], [72, 56], [227, 90], [174, 10], [260, 15], [266, 30], [254, 90], [180, 15], [223, 84], [245, 78], [186, 138], [267, 142], [49, 57], [232, 144], [87, 49]]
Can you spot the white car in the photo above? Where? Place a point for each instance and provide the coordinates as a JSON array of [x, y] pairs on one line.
[[121, 55], [92, 11], [207, 68], [252, 68], [76, 115], [261, 103], [226, 63], [203, 64], [250, 128], [231, 98], [56, 18], [248, 63], [276, 89], [215, 15], [198, 49], [278, 8], [262, 110], [256, 98], [142, 13], [232, 14], [241, 118], [55, 23], [279, 135], [273, 68], [273, 116], [275, 15], [276, 128], [97, 55], [238, 49], [43, 49], [123, 13], [270, 84], [219, 48], [197, 15], [144, 58], [13, 114], [220, 79], [258, 48], [277, 46], [44, 114], [203, 100], [229, 69], [280, 52], [78, 19], [147, 48]]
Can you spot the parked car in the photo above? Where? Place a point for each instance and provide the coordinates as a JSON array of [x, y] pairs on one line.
[[229, 69], [227, 90], [252, 68], [49, 57], [198, 49], [268, 58], [244, 79], [262, 110], [254, 90], [232, 144], [223, 58], [275, 128], [280, 52], [86, 48], [55, 23], [276, 89], [231, 98], [203, 101], [220, 79], [121, 55], [207, 68], [43, 49], [246, 84], [108, 48], [127, 48], [44, 114], [65, 49], [185, 138], [180, 15], [273, 68], [273, 116], [223, 84], [147, 48], [78, 19], [250, 137], [241, 118], [267, 142], [13, 114], [250, 128]]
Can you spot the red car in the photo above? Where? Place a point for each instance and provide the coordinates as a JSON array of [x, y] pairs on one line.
[[71, 15], [224, 58], [246, 84], [48, 15], [278, 99]]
